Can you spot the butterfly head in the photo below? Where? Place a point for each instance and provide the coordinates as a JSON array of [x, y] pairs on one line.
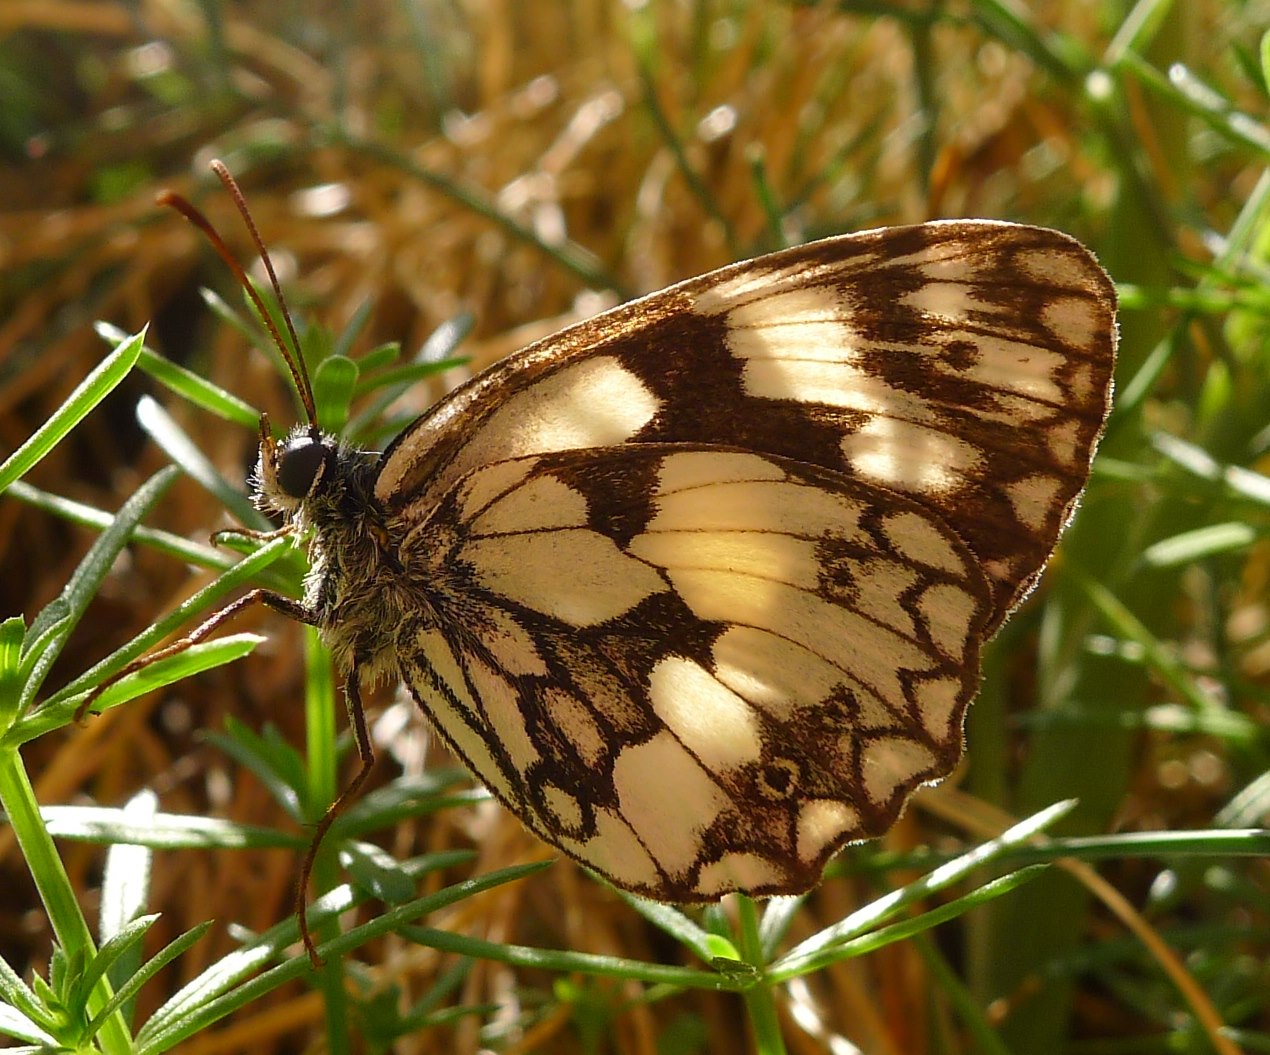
[[293, 470]]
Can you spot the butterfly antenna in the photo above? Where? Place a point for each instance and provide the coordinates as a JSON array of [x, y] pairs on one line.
[[293, 359]]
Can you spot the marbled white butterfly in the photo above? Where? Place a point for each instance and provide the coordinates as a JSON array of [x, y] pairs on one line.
[[697, 587]]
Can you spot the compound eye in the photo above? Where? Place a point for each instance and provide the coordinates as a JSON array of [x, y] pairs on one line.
[[300, 465]]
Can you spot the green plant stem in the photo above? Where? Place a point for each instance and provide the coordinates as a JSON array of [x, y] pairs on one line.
[[759, 1003], [69, 926], [319, 725], [322, 755]]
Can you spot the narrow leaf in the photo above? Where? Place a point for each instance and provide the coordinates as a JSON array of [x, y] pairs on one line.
[[334, 382], [245, 571], [194, 660], [91, 391], [16, 994], [276, 764], [125, 893], [793, 966], [128, 936], [15, 1024], [12, 634], [181, 449], [87, 578], [377, 872], [84, 515], [188, 385], [1191, 546], [148, 970], [162, 831]]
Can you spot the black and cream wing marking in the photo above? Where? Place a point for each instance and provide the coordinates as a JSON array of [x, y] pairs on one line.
[[695, 670], [965, 363], [698, 587]]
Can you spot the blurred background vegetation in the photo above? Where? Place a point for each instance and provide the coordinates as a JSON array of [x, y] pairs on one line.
[[524, 164]]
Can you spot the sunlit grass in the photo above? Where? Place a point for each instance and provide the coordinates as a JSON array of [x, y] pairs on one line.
[[421, 170]]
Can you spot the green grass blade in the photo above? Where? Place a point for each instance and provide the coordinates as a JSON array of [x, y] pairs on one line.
[[12, 638], [334, 381], [274, 762], [188, 385], [806, 963], [79, 513], [239, 575], [1200, 544], [565, 962], [870, 917], [113, 948], [228, 984], [17, 995], [15, 1024], [180, 448], [151, 967], [672, 921], [196, 659], [162, 831], [91, 391], [87, 578]]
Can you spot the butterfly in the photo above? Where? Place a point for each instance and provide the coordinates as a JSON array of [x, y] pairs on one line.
[[697, 587]]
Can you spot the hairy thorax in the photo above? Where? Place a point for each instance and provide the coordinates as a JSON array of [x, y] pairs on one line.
[[355, 584]]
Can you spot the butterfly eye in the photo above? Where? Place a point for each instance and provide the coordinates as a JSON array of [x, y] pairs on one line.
[[300, 465]]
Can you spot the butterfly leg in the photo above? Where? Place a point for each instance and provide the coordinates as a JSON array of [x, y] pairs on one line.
[[357, 719], [255, 536], [286, 605]]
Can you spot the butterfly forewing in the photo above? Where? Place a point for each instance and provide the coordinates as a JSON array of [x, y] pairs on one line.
[[695, 669], [964, 363]]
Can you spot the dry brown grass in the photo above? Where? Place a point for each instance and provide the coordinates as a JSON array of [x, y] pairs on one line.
[[536, 113]]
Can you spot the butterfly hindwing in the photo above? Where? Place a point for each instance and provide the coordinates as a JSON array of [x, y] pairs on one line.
[[695, 669], [964, 363]]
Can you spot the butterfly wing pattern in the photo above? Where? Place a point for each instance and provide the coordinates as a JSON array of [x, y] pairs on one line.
[[695, 669], [698, 587]]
